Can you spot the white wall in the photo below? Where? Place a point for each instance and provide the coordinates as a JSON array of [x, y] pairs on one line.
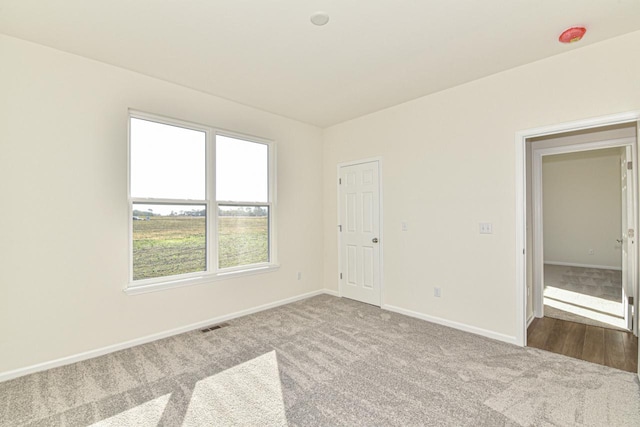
[[449, 163], [64, 215], [582, 208]]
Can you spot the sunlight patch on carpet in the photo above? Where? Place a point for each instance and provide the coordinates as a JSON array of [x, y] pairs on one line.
[[247, 394], [594, 308], [147, 414]]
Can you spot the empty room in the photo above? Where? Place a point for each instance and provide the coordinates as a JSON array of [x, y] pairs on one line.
[[291, 213]]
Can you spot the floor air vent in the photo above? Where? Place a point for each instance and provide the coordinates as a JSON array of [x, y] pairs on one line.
[[214, 327]]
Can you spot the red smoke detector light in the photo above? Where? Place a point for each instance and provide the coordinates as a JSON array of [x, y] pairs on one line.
[[572, 35]]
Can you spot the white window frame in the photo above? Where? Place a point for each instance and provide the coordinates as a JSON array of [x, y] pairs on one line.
[[212, 273]]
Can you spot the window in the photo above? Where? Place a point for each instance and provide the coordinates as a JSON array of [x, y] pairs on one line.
[[242, 193], [200, 203]]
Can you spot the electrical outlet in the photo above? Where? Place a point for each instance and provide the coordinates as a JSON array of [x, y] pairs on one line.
[[436, 292], [299, 275], [405, 226]]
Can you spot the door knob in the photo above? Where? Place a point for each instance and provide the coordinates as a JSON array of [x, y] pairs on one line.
[[374, 240]]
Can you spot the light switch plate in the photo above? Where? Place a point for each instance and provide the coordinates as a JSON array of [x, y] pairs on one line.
[[405, 226], [486, 228]]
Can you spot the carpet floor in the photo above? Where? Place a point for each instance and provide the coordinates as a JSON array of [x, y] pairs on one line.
[[591, 296], [555, 313], [325, 361]]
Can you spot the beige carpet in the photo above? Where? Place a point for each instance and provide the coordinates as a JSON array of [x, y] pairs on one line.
[[571, 317], [591, 296], [325, 361]]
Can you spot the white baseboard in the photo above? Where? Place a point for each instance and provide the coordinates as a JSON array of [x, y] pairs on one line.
[[331, 292], [4, 376], [575, 264], [452, 324]]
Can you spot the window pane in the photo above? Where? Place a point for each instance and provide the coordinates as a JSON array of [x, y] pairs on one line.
[[242, 170], [243, 235], [168, 240], [167, 162]]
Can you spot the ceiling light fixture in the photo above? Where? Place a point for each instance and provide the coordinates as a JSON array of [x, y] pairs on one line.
[[319, 18], [572, 35]]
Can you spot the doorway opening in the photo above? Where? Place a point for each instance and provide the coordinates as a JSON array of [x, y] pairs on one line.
[[585, 223], [579, 261]]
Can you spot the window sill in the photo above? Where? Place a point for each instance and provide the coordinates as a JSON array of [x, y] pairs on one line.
[[198, 280]]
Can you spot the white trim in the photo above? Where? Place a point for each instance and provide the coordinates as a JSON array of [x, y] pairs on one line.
[[575, 264], [537, 234], [8, 375], [530, 321], [338, 231], [587, 146], [594, 122], [381, 231], [521, 242], [455, 325], [199, 279], [150, 201], [129, 206], [211, 219], [359, 162], [380, 215], [521, 208], [332, 292]]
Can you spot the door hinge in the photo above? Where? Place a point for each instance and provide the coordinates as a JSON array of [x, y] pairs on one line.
[[339, 181], [629, 165], [340, 228], [523, 252], [340, 276]]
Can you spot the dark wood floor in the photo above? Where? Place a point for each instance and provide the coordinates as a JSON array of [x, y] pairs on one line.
[[609, 347]]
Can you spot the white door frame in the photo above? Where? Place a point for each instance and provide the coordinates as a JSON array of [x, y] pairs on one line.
[[538, 223], [521, 208], [381, 238]]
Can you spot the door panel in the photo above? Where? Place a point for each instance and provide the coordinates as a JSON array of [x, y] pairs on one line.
[[352, 265], [359, 238]]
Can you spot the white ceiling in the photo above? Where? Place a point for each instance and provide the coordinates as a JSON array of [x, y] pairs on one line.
[[371, 55]]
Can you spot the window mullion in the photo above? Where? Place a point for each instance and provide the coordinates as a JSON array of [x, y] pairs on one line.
[[212, 219]]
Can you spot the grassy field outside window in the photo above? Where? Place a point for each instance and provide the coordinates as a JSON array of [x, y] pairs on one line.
[[172, 245]]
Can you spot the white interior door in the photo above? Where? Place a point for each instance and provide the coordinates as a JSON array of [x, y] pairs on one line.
[[360, 232], [628, 236]]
